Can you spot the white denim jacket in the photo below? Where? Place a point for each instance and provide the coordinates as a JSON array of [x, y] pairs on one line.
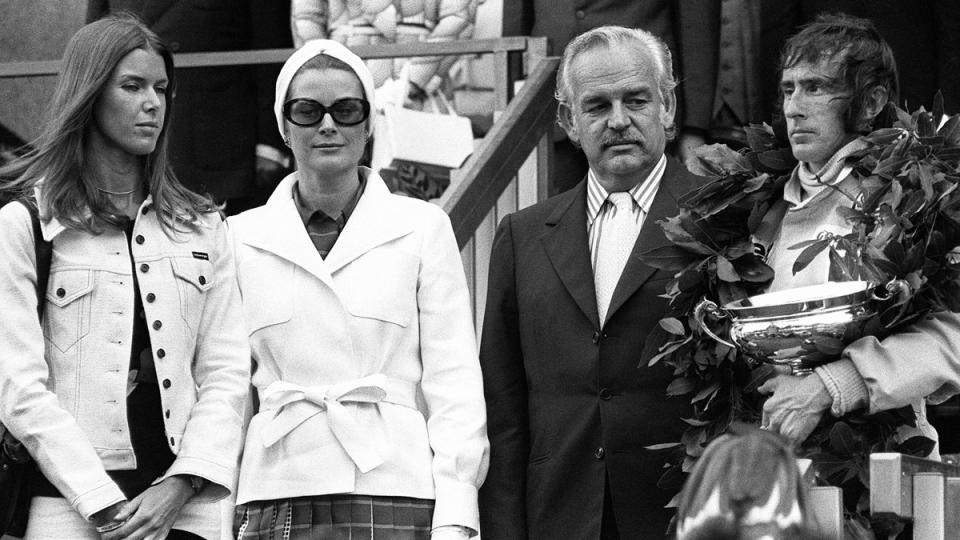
[[70, 410]]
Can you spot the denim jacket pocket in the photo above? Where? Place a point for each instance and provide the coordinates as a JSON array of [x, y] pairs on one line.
[[67, 317], [195, 277]]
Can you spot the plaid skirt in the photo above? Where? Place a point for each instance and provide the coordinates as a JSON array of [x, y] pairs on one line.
[[335, 517]]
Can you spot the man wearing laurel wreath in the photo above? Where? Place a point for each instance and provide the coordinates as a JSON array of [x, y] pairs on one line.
[[570, 308], [838, 75]]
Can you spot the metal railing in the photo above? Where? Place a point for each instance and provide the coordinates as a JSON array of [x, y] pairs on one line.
[[925, 492]]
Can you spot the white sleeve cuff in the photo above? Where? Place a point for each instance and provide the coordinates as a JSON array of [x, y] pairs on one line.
[[456, 504]]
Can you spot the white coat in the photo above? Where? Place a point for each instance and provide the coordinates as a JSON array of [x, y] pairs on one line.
[[366, 362]]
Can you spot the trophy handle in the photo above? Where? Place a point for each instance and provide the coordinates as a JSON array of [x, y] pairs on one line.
[[707, 307], [891, 289]]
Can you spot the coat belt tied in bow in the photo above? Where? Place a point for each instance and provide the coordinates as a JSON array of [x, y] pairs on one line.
[[280, 395]]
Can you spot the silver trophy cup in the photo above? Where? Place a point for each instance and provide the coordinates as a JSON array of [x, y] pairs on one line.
[[801, 328]]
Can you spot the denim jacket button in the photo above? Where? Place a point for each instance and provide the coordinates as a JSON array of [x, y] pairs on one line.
[[157, 325], [151, 297], [166, 383]]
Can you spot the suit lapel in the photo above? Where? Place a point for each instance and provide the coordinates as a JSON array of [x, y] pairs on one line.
[[674, 184], [566, 246]]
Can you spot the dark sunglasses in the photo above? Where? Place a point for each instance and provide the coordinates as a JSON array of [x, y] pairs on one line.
[[345, 112]]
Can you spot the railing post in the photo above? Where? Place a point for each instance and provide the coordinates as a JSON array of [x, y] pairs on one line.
[[951, 524], [891, 487], [826, 508], [928, 506]]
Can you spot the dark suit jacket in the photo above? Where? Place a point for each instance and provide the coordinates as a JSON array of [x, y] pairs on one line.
[[220, 114], [568, 405]]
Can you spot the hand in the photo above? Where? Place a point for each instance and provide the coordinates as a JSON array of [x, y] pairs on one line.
[[269, 173], [151, 515], [795, 405], [450, 532], [685, 148]]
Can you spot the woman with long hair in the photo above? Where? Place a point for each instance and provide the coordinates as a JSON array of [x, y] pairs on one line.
[[371, 421], [129, 392]]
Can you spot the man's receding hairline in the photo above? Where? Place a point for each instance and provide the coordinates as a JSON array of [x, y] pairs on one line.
[[632, 43]]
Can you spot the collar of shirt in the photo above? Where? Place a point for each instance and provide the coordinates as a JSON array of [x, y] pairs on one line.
[[805, 184], [643, 193], [307, 212]]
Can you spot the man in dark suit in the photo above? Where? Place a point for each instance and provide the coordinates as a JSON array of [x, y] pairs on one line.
[[571, 308], [562, 20], [224, 138]]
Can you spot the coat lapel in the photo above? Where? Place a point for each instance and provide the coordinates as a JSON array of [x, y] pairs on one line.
[[566, 246], [674, 184], [276, 228], [375, 221]]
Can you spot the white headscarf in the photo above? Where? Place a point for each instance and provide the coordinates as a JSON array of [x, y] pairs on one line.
[[314, 48]]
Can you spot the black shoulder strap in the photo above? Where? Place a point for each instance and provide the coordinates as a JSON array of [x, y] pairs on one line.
[[43, 250]]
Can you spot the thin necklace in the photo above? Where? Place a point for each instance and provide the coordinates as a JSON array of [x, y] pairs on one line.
[[108, 192], [115, 193]]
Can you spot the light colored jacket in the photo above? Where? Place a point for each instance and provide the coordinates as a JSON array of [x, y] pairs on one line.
[[366, 362], [70, 410], [915, 364]]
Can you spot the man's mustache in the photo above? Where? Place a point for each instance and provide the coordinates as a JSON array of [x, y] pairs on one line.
[[607, 142]]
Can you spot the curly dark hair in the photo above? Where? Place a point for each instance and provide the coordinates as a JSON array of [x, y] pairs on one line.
[[863, 59]]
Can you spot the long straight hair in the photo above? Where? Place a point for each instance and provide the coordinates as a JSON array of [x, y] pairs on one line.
[[57, 157]]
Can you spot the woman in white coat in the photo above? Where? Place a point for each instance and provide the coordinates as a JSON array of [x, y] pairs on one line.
[[371, 417]]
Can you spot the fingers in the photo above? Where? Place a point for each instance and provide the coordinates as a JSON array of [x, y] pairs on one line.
[[134, 521], [769, 386], [796, 426], [128, 509], [771, 419]]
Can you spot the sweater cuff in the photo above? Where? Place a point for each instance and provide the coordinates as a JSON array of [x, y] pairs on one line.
[[845, 385]]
